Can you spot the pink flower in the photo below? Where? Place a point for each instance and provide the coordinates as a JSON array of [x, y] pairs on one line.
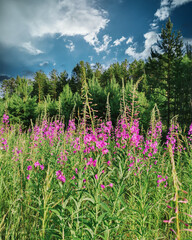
[[42, 167], [28, 176], [96, 176], [105, 150], [111, 185], [109, 163], [73, 177], [102, 186], [36, 164], [29, 168]]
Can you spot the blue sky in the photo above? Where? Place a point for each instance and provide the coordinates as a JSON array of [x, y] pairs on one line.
[[47, 34]]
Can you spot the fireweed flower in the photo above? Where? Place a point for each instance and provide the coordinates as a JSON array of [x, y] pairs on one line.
[[109, 163], [36, 164], [42, 167], [29, 168], [60, 176], [105, 150]]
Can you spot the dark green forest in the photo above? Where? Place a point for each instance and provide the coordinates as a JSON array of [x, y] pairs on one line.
[[164, 79]]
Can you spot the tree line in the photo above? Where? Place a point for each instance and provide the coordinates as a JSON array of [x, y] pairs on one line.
[[165, 80]]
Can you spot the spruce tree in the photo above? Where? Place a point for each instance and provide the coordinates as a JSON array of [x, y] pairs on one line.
[[163, 68]]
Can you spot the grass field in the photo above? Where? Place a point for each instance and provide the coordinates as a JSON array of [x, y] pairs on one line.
[[98, 182]]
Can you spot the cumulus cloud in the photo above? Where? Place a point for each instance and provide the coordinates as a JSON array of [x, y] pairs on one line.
[[129, 40], [24, 20], [167, 6], [162, 13], [117, 42], [70, 46], [150, 39], [29, 48]]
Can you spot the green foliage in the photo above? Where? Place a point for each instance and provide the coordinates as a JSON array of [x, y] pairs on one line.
[[163, 69], [115, 95], [21, 111], [66, 100]]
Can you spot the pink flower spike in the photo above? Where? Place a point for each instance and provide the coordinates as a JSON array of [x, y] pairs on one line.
[[103, 171], [73, 177], [96, 176], [29, 168], [111, 185], [42, 167], [109, 163], [36, 164], [169, 206], [102, 186], [28, 176], [105, 150], [184, 201]]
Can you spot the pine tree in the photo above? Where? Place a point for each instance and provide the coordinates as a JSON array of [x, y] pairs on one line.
[[163, 67]]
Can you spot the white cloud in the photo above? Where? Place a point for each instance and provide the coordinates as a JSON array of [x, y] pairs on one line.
[[45, 63], [70, 46], [27, 46], [119, 41], [129, 40], [164, 3], [176, 3], [24, 20], [167, 6], [162, 13], [97, 45], [150, 39]]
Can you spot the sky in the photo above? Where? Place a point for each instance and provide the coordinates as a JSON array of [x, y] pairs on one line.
[[57, 34]]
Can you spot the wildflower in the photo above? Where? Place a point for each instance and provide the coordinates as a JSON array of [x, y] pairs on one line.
[[60, 176], [111, 185], [42, 167], [36, 164], [29, 168], [102, 186], [105, 150], [28, 176], [96, 176], [109, 163]]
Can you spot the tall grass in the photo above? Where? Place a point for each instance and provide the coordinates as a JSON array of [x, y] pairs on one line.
[[94, 181]]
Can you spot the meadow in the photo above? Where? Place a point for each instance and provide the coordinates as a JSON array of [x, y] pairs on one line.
[[93, 180]]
